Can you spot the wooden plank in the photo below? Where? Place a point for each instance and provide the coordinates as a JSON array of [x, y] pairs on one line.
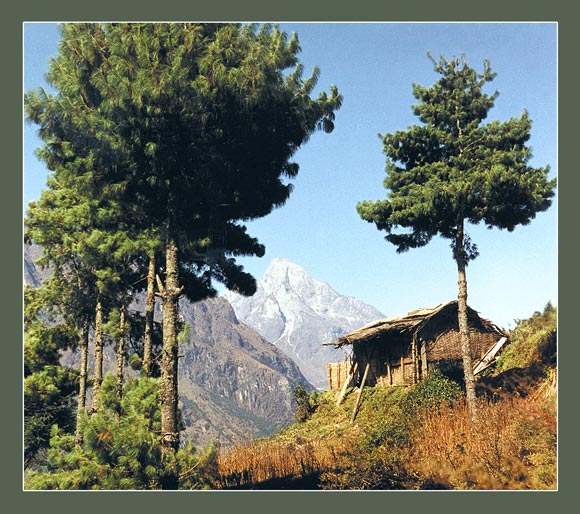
[[414, 359], [389, 371], [402, 364], [360, 392], [488, 358], [348, 380], [424, 370]]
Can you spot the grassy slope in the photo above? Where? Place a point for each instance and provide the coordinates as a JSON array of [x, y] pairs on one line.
[[419, 438]]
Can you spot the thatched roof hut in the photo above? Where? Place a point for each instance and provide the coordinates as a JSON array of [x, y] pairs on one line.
[[400, 350]]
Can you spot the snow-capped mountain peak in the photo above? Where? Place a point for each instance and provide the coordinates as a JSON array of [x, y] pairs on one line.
[[298, 313]]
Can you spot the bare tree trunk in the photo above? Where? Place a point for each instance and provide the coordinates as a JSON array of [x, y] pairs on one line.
[[99, 343], [460, 258], [82, 397], [121, 354], [169, 361], [149, 313]]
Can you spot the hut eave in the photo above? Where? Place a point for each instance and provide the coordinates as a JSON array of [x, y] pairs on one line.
[[409, 322]]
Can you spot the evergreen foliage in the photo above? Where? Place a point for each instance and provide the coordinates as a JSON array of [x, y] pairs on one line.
[[49, 388], [434, 392], [454, 167], [306, 402], [121, 447], [162, 140], [192, 124]]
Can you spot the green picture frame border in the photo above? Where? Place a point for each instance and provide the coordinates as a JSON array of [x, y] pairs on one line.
[[266, 501]]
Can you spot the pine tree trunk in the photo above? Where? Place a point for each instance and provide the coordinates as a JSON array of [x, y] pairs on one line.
[[168, 389], [121, 354], [460, 258], [99, 343], [82, 396], [149, 313]]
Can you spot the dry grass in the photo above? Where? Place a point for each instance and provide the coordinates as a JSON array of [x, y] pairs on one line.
[[268, 460], [511, 445], [306, 450]]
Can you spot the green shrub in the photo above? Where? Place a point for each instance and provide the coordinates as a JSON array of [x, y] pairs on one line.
[[434, 392], [306, 402]]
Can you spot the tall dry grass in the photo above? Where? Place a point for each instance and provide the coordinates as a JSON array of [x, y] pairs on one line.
[[511, 445], [262, 461]]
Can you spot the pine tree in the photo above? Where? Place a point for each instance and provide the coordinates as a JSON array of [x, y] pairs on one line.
[[77, 220], [120, 447], [191, 127], [89, 264], [55, 222], [147, 361], [121, 350], [453, 169]]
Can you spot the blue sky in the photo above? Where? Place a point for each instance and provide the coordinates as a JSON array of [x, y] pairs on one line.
[[374, 66]]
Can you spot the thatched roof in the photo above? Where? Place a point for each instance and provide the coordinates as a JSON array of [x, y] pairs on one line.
[[408, 323]]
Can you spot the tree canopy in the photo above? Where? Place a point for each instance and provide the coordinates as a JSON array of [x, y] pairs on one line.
[[454, 167], [189, 122]]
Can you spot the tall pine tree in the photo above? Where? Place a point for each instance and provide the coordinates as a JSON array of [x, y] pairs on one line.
[[452, 170], [193, 127], [57, 222]]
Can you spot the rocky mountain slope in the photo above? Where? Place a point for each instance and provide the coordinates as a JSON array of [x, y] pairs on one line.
[[234, 385], [33, 273], [298, 313], [231, 380]]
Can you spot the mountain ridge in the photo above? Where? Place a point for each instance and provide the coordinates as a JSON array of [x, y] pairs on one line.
[[299, 313]]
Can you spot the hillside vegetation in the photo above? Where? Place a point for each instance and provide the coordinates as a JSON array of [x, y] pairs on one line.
[[421, 437]]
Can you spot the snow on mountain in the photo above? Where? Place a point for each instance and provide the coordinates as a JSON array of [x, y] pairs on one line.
[[298, 313]]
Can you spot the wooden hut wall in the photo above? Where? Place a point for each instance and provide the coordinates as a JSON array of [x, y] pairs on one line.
[[391, 362], [337, 373], [448, 345], [445, 346], [482, 342], [367, 353]]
